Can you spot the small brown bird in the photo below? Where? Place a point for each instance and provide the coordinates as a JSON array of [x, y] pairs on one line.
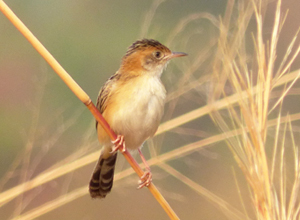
[[132, 102]]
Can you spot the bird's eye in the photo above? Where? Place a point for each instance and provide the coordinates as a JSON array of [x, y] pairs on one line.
[[158, 54]]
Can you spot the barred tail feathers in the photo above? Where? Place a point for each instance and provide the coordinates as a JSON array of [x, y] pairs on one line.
[[103, 176]]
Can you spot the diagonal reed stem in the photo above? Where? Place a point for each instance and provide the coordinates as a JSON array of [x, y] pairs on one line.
[[83, 97]]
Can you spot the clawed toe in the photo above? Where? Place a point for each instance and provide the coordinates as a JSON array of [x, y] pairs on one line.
[[145, 180], [119, 143]]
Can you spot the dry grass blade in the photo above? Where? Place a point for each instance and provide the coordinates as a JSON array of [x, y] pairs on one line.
[[242, 102], [229, 211], [177, 153], [46, 177], [254, 83], [83, 97], [149, 17], [218, 105], [49, 206]]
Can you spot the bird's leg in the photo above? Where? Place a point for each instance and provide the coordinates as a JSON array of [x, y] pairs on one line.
[[146, 179], [119, 143]]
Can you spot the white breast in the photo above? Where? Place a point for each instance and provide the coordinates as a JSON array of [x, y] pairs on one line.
[[140, 113]]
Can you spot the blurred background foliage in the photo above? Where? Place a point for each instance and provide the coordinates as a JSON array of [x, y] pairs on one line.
[[43, 122]]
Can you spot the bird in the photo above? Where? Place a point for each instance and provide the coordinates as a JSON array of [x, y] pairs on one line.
[[132, 102]]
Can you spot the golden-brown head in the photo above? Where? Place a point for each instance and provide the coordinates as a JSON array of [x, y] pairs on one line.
[[148, 56]]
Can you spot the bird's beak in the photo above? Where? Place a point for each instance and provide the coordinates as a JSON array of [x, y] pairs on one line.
[[176, 54]]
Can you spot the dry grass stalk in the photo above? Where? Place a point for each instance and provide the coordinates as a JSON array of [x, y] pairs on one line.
[[254, 83], [83, 97], [52, 174], [246, 129]]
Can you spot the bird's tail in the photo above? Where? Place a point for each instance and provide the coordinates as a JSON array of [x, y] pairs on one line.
[[103, 176]]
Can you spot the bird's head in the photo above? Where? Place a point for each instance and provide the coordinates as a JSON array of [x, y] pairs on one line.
[[148, 56]]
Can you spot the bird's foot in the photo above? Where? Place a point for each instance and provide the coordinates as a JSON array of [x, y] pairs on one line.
[[146, 179], [119, 144]]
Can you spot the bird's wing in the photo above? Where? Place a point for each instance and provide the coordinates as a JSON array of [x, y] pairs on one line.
[[105, 93]]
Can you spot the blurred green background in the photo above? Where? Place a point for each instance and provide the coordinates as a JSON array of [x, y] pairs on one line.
[[40, 114]]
